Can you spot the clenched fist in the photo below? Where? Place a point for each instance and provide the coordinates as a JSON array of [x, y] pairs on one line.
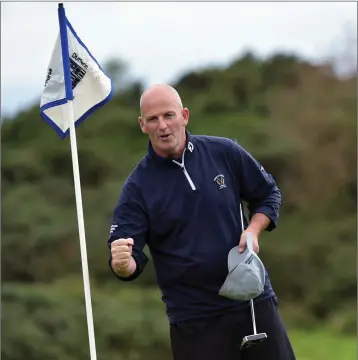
[[122, 261]]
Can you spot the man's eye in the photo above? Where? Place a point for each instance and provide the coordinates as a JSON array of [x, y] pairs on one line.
[[169, 115]]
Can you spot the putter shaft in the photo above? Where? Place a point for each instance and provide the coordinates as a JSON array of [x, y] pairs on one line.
[[253, 316]]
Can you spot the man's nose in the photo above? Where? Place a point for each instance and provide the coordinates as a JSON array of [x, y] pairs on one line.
[[162, 124]]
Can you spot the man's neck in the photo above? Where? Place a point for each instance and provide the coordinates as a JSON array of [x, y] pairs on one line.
[[177, 154]]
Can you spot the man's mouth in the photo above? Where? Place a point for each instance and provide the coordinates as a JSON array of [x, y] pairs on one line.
[[164, 136]]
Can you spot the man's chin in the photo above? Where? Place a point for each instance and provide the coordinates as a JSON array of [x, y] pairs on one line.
[[168, 149], [167, 143]]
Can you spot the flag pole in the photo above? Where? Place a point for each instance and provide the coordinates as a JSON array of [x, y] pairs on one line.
[[81, 230], [69, 115]]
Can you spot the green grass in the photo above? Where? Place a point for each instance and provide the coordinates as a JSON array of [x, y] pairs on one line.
[[322, 345]]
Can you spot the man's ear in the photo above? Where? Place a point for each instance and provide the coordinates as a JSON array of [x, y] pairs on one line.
[[141, 124], [185, 113]]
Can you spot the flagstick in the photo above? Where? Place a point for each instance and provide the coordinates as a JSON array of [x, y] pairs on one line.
[[81, 228]]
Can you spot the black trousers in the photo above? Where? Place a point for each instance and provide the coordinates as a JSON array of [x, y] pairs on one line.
[[219, 337]]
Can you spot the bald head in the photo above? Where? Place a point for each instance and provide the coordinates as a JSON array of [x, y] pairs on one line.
[[159, 91], [164, 119]]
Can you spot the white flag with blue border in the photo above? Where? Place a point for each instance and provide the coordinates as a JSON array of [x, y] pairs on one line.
[[73, 74]]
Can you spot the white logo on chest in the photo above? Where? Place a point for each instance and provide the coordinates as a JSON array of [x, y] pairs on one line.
[[220, 181]]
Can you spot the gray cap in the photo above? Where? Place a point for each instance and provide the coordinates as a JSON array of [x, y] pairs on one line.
[[246, 278]]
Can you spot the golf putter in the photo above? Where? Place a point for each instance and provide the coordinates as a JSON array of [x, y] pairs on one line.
[[255, 338]]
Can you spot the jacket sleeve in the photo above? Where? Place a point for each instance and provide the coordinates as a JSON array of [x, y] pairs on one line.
[[130, 221], [257, 187]]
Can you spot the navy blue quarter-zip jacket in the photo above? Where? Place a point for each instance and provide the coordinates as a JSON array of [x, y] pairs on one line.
[[187, 212]]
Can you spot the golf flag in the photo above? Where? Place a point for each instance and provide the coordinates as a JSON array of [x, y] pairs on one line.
[[75, 86], [73, 74]]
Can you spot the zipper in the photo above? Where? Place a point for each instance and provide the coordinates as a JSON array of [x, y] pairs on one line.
[[185, 171], [189, 179]]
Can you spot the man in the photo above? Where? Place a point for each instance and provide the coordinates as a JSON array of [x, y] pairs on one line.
[[183, 201]]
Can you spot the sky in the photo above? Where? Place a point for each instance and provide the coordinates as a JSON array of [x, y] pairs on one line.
[[162, 40]]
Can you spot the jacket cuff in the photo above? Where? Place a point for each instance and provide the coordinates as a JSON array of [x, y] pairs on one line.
[[270, 213]]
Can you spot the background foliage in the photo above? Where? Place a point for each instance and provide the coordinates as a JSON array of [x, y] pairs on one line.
[[298, 119]]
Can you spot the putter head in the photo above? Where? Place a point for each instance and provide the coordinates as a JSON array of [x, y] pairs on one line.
[[250, 340]]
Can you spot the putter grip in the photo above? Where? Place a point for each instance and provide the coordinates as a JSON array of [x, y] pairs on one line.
[[249, 241], [249, 235]]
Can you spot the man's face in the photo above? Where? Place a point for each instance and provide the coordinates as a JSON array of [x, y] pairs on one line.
[[164, 121]]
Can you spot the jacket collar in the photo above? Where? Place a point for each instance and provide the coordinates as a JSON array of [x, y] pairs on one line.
[[189, 145]]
